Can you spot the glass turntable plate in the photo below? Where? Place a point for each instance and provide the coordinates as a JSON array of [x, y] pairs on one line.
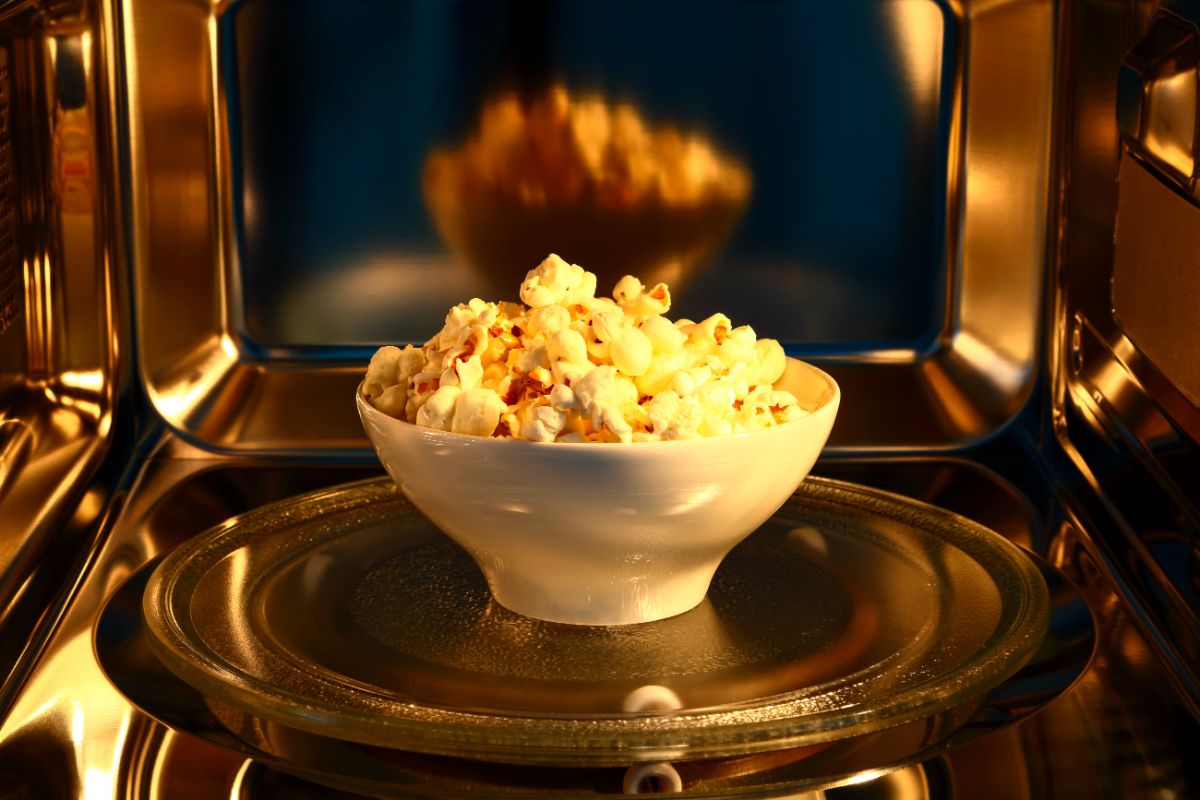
[[347, 614]]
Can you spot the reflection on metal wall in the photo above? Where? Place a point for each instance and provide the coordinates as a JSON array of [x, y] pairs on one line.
[[1123, 367], [555, 171], [892, 229], [840, 111]]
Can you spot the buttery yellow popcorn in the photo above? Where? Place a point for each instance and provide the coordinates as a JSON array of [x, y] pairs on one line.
[[567, 366]]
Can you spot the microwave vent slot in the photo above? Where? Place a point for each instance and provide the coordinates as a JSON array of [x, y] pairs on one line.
[[10, 265]]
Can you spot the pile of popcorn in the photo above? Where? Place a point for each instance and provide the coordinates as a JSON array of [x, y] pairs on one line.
[[569, 366], [554, 150]]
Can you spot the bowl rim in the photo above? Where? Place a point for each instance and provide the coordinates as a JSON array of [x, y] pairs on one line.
[[831, 399]]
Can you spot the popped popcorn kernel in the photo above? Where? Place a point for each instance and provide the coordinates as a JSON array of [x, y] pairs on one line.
[[663, 335], [477, 412], [771, 360], [568, 366], [631, 351]]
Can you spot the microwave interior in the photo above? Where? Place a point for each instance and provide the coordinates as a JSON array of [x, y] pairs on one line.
[[289, 209]]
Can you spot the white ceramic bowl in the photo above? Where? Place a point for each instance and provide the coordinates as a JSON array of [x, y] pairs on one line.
[[604, 534]]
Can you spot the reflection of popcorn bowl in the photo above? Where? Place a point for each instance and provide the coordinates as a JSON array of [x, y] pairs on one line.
[[658, 243], [604, 534], [579, 176]]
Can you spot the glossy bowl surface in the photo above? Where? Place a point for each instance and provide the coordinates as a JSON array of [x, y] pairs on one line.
[[604, 534]]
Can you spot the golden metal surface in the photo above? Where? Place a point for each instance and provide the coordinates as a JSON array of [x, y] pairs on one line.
[[72, 735], [60, 368], [993, 332], [1121, 410], [69, 734], [1156, 276]]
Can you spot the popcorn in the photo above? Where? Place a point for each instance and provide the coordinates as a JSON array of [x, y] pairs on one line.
[[631, 351], [771, 360], [469, 372], [555, 282], [392, 401], [566, 345], [381, 372], [477, 412], [567, 366], [664, 336], [543, 423]]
